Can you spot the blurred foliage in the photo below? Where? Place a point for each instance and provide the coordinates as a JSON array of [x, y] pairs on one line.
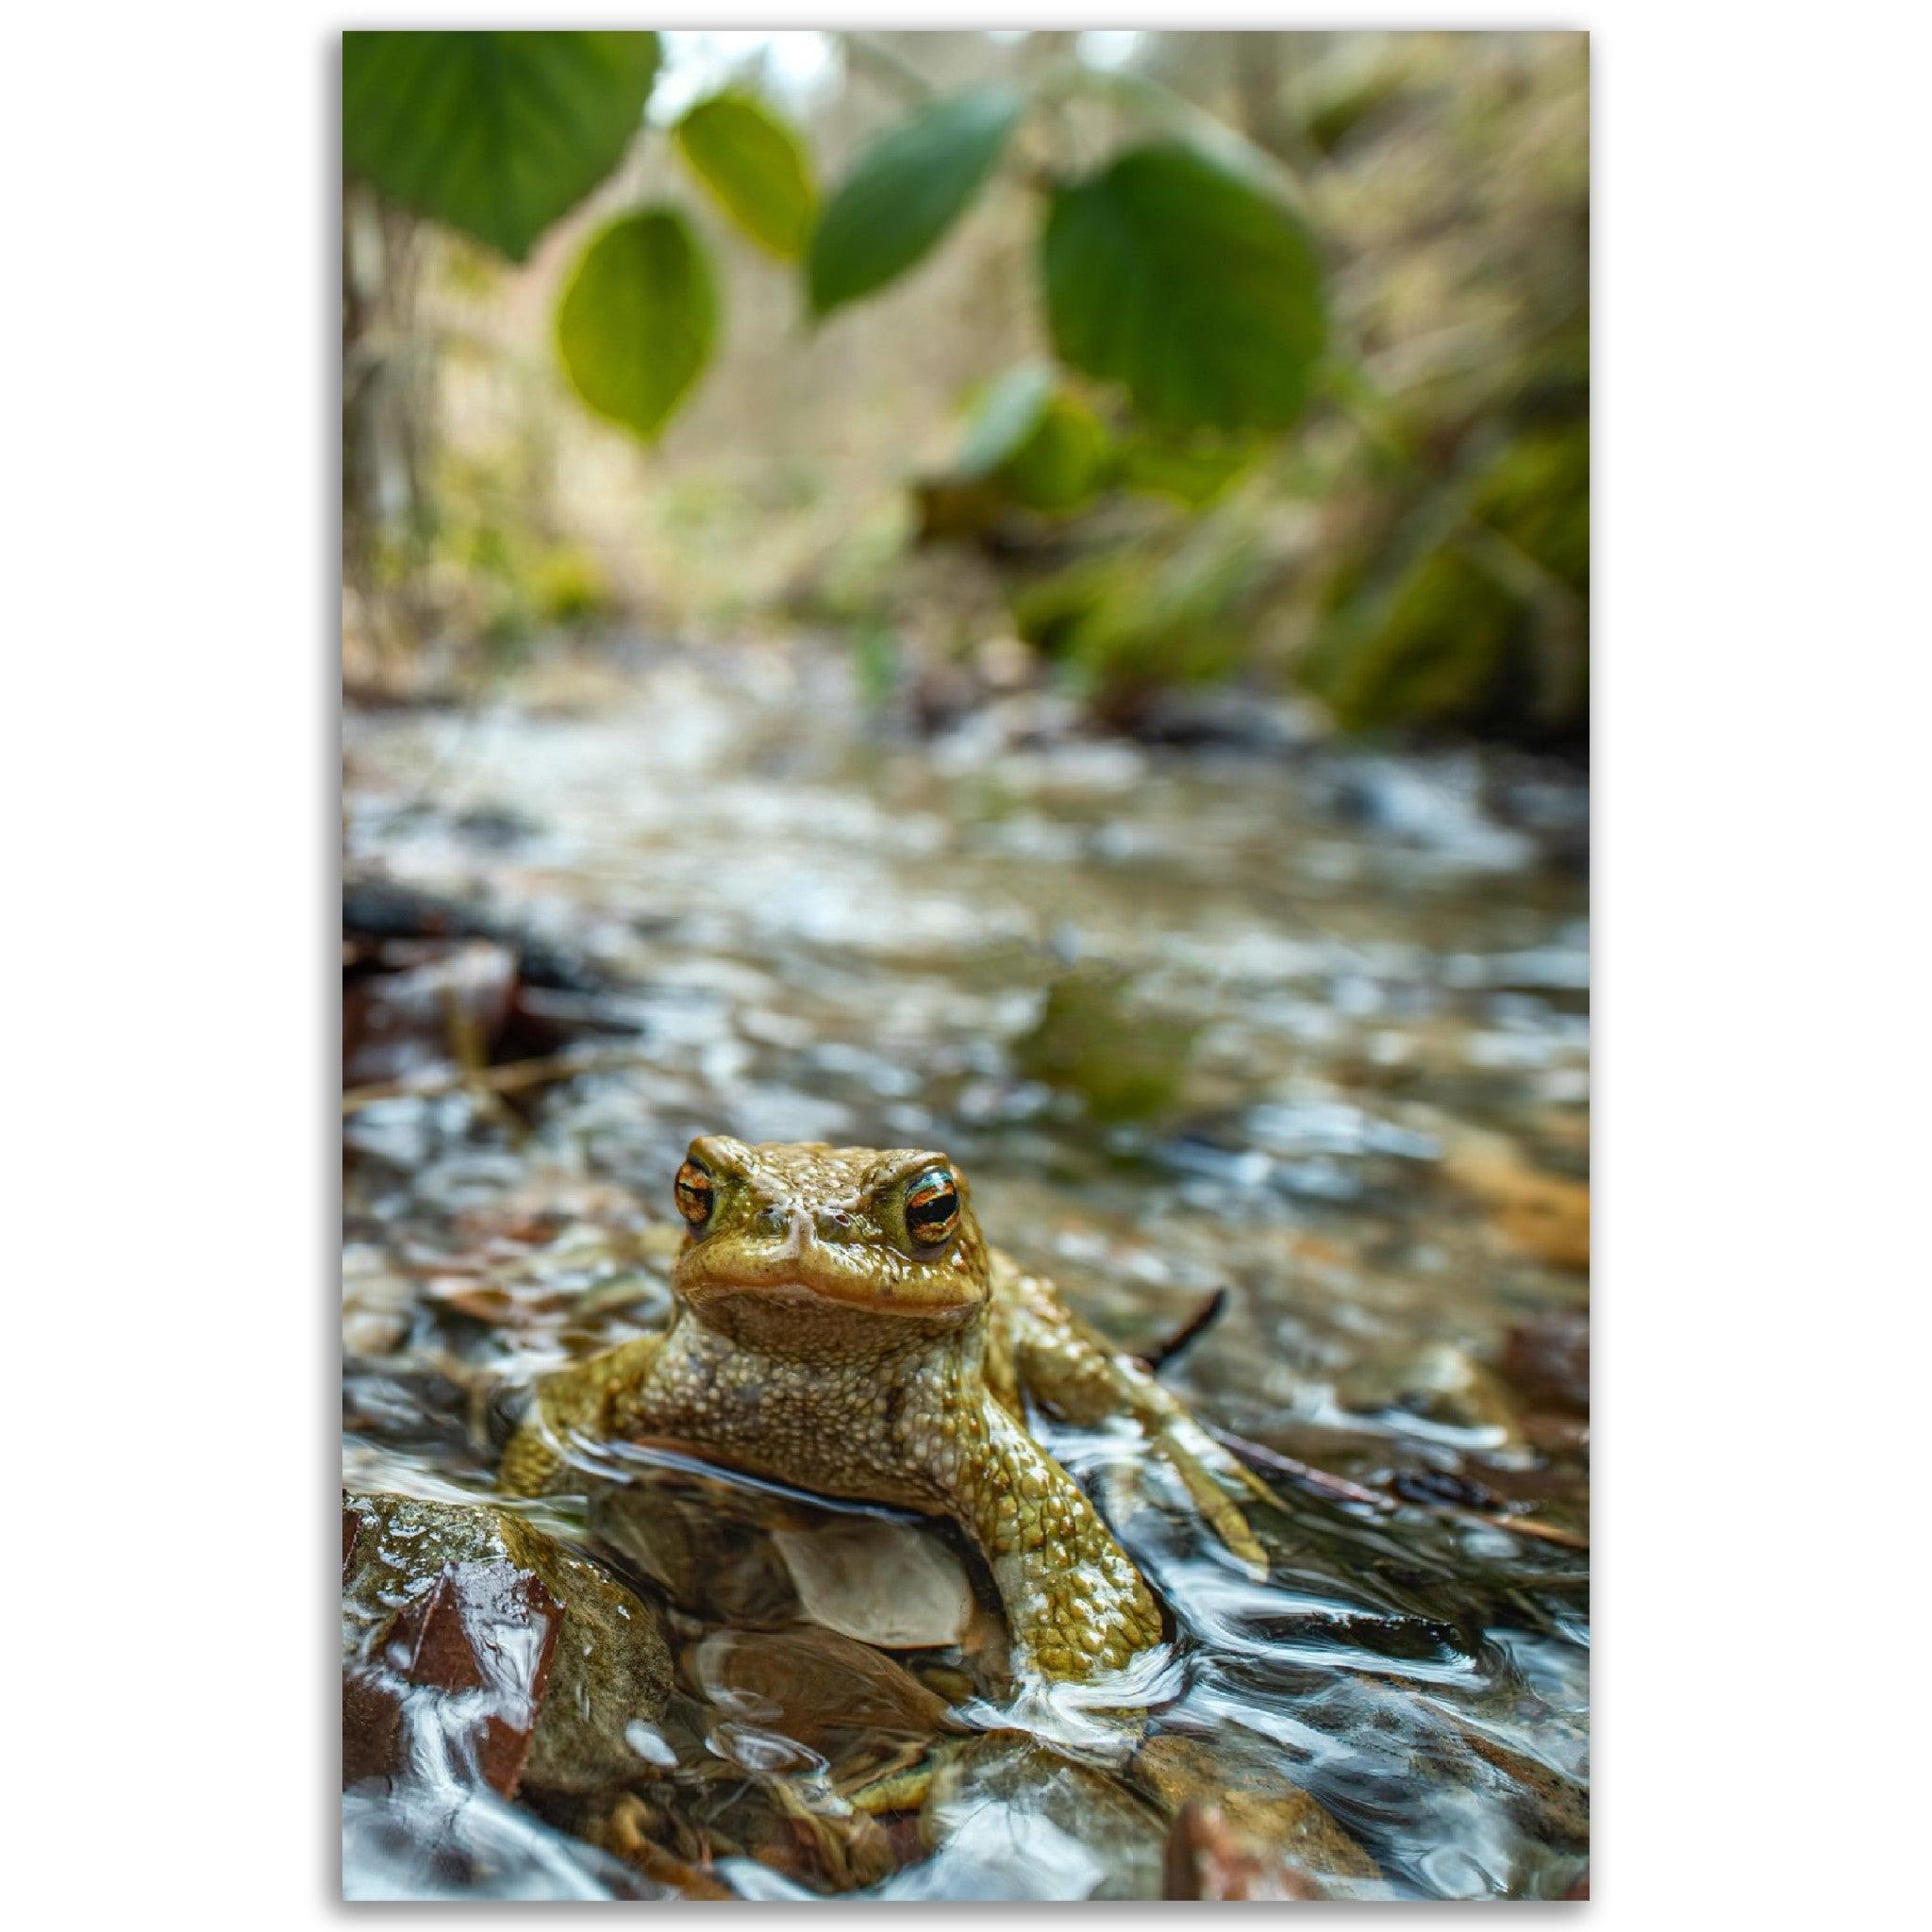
[[1456, 638], [475, 562], [639, 318], [1136, 620], [496, 134], [756, 166], [1095, 1041], [905, 192], [1193, 291], [1305, 398]]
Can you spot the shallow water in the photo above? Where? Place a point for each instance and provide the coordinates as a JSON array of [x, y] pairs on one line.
[[1311, 1028]]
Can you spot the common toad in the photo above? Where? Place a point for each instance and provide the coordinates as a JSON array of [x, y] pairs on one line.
[[842, 1325]]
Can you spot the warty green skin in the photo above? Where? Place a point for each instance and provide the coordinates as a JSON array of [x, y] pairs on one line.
[[817, 1342]]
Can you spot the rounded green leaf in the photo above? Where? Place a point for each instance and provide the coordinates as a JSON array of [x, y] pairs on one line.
[[905, 191], [1062, 465], [494, 134], [1191, 288], [756, 168], [639, 318]]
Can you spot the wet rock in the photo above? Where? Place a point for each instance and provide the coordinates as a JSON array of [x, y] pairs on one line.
[[1444, 1385], [1233, 720], [377, 910], [1240, 1823], [378, 1303], [1207, 1859], [1549, 1360], [806, 1682], [1554, 1808], [706, 1542], [1008, 1818], [542, 1659]]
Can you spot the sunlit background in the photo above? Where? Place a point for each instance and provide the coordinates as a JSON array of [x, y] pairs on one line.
[[1411, 552]]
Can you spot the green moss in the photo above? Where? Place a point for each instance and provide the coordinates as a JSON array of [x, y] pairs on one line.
[[1458, 641], [1093, 1039]]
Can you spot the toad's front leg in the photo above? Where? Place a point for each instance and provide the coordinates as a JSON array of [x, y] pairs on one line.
[[1064, 1365], [1074, 1602], [576, 1401]]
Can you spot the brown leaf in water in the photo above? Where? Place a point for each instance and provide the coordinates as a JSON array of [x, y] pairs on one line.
[[1544, 1215], [485, 1627], [630, 1828], [899, 1586]]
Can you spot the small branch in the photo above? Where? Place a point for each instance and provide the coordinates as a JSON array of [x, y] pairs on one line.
[[891, 66], [1341, 1490], [512, 1078], [1206, 131], [1338, 1487], [1190, 1332], [1518, 1526]]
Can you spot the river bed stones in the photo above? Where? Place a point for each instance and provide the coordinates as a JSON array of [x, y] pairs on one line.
[[1008, 1818], [754, 1559], [1242, 1829], [471, 1637]]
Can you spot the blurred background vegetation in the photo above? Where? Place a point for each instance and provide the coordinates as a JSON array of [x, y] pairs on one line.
[[1118, 364]]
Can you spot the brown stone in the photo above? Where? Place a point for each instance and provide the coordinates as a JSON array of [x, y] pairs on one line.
[[1205, 1859], [1256, 1811]]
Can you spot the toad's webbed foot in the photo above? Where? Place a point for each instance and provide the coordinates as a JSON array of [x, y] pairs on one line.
[[1076, 1605]]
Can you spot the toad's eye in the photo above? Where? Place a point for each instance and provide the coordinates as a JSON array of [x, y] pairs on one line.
[[694, 1190], [932, 1207]]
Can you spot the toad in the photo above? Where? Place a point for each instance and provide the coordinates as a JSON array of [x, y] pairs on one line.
[[841, 1325]]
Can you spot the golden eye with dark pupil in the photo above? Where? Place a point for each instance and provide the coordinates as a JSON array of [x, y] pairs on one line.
[[693, 1192], [932, 1208]]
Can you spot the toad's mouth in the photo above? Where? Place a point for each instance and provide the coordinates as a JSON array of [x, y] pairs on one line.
[[805, 1292]]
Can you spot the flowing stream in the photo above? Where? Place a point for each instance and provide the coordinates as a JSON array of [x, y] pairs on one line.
[[1302, 1024]]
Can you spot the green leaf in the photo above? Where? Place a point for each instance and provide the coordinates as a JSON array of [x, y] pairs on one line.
[[1188, 286], [1042, 448], [754, 167], [905, 191], [1062, 465], [639, 318], [494, 134], [1005, 414]]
